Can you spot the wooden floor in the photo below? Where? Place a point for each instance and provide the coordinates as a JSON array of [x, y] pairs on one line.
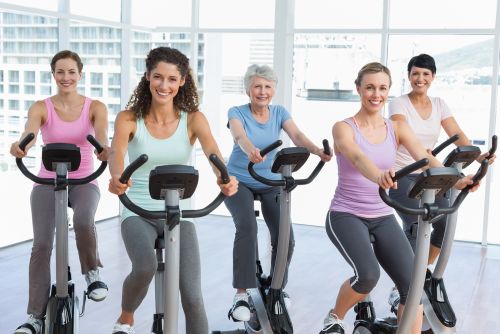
[[316, 273]]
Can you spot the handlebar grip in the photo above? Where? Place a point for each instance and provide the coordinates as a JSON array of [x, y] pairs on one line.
[[410, 168], [326, 147], [141, 160], [444, 144], [493, 148], [95, 143], [220, 166], [271, 147], [26, 140]]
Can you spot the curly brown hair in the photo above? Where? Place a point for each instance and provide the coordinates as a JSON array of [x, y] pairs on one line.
[[187, 96]]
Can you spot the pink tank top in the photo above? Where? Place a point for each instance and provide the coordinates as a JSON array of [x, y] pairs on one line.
[[356, 194], [55, 130]]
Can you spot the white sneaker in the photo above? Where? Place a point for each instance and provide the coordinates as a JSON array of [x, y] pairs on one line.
[[31, 326], [123, 329], [332, 324], [240, 311], [394, 300], [96, 289]]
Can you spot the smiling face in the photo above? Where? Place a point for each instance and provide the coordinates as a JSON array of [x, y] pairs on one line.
[[66, 75], [373, 91], [420, 79], [261, 92], [164, 82]]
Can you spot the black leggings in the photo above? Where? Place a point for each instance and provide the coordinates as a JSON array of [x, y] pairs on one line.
[[351, 235], [410, 221]]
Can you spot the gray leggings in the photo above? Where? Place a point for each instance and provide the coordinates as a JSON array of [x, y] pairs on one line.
[[84, 199], [139, 236], [245, 246], [351, 235], [410, 222]]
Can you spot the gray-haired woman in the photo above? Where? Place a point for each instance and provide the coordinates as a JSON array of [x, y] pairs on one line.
[[254, 126]]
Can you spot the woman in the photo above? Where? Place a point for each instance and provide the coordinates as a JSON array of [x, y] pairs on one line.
[[254, 126], [365, 146], [161, 120], [66, 117], [425, 115]]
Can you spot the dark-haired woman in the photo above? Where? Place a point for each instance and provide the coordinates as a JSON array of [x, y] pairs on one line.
[[426, 115], [161, 116], [66, 117]]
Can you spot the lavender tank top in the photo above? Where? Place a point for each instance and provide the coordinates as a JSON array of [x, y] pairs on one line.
[[355, 194], [55, 130]]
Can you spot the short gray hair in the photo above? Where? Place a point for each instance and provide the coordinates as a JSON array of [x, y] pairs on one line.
[[262, 71]]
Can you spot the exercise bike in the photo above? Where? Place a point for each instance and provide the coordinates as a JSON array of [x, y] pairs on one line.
[[365, 311], [437, 307], [170, 183], [432, 183], [63, 309], [269, 314]]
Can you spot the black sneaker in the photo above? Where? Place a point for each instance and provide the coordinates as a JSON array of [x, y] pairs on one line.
[[333, 324]]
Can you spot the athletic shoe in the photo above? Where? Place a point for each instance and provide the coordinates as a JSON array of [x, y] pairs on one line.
[[96, 289], [394, 300], [120, 328], [240, 311], [31, 326], [333, 324]]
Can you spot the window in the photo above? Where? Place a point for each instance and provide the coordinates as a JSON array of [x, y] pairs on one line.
[[29, 89], [151, 13], [113, 79], [46, 90], [29, 76], [96, 78], [358, 14], [107, 10], [13, 76], [240, 14], [96, 92], [14, 89], [13, 104], [45, 76]]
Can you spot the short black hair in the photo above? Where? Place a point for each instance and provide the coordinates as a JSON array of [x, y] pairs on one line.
[[423, 61]]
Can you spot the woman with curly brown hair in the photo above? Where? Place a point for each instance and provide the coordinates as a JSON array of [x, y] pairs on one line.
[[161, 120]]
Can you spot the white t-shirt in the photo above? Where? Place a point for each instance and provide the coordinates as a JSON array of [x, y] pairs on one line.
[[427, 130]]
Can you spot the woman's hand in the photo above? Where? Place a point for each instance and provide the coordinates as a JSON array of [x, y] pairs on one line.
[[254, 156], [16, 151], [116, 187], [104, 155], [323, 156], [228, 189], [385, 181], [465, 181], [484, 155]]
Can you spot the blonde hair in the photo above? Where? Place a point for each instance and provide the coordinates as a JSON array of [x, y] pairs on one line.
[[372, 68]]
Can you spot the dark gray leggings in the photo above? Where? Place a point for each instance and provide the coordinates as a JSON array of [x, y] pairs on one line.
[[139, 236], [84, 199], [241, 207], [410, 225], [351, 235]]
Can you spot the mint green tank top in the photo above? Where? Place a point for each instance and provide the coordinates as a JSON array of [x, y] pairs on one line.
[[175, 149]]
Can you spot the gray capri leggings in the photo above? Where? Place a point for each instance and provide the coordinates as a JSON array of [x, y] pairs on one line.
[[84, 199], [139, 235], [245, 248], [410, 222], [351, 235]]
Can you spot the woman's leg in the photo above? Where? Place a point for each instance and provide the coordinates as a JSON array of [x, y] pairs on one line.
[[271, 211], [43, 214], [190, 280], [351, 237], [139, 238], [84, 199], [396, 257], [241, 208]]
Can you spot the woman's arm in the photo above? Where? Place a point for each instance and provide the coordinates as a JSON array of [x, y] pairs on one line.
[[200, 129], [300, 139], [240, 137], [99, 119], [125, 126], [37, 115], [344, 143]]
